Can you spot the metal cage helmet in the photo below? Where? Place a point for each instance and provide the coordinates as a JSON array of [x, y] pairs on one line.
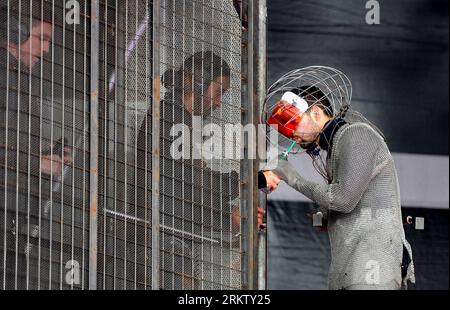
[[297, 91]]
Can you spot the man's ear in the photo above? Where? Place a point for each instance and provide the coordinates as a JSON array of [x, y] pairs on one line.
[[188, 102], [316, 112]]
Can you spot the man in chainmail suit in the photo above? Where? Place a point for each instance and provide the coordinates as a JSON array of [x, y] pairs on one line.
[[360, 201]]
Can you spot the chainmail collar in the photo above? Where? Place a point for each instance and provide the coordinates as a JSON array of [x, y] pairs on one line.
[[327, 135]]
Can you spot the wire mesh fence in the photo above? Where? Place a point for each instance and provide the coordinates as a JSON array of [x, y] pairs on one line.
[[96, 97]]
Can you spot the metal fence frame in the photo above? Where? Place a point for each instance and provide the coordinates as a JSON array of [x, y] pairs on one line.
[[253, 66]]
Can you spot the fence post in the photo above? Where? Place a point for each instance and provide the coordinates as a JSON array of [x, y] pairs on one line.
[[260, 76], [93, 169], [155, 145]]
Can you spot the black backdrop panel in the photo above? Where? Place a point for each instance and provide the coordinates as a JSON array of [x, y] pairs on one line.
[[399, 68], [299, 256]]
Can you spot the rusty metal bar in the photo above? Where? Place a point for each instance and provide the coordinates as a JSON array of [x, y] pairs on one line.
[[260, 76], [156, 145], [249, 274], [94, 139], [255, 66]]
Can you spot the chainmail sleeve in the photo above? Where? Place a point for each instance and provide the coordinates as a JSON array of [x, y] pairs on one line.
[[357, 153]]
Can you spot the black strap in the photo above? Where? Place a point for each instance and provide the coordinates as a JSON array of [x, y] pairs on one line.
[[406, 260]]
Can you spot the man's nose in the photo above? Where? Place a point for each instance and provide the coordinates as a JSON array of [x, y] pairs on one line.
[[217, 102]]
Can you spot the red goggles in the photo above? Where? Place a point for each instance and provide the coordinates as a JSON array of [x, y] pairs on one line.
[[287, 114]]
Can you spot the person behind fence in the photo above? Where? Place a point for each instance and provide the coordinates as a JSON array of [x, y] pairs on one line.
[[194, 89], [24, 171], [360, 203]]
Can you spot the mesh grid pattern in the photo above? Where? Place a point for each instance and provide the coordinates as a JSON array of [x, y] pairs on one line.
[[125, 199], [45, 220], [198, 243], [44, 216]]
